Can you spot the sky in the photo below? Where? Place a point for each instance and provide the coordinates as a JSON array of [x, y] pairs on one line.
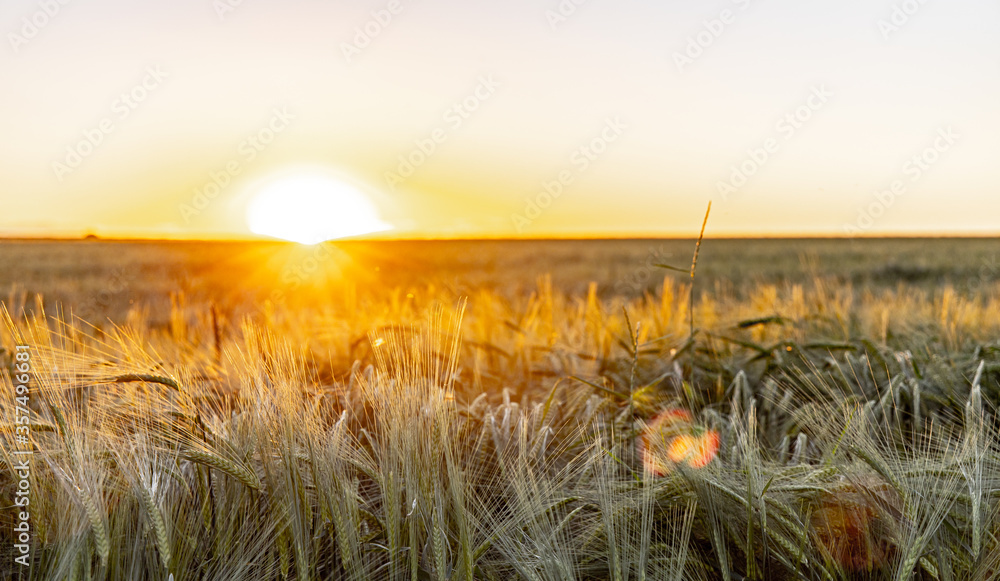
[[473, 118]]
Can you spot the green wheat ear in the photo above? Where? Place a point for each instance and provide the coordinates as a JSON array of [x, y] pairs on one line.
[[96, 516], [158, 524], [240, 472]]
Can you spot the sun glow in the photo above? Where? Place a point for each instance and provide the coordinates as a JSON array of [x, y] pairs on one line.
[[310, 209]]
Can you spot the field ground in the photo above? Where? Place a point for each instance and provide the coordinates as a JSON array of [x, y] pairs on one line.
[[505, 410], [103, 276]]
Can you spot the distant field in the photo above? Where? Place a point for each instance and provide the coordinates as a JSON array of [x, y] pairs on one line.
[[103, 278]]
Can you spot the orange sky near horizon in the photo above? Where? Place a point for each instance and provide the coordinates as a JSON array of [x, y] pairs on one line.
[[542, 118]]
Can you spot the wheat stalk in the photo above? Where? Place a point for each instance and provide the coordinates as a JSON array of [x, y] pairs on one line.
[[242, 473], [158, 524], [96, 516]]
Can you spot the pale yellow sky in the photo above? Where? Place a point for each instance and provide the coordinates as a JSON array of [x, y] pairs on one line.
[[792, 117]]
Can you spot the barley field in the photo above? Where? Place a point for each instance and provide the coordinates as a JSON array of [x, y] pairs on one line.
[[466, 410]]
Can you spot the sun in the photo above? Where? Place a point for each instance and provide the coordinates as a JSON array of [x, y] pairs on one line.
[[312, 208]]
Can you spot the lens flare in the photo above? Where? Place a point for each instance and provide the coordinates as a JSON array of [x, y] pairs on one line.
[[671, 438]]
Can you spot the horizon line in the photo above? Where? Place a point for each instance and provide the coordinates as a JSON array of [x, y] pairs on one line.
[[486, 238]]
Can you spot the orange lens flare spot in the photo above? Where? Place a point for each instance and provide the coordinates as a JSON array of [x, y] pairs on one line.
[[681, 447], [705, 449], [671, 438], [850, 527]]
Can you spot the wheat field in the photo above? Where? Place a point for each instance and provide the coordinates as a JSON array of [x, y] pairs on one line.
[[539, 411]]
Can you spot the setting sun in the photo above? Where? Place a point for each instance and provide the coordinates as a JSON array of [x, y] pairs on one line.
[[310, 209]]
